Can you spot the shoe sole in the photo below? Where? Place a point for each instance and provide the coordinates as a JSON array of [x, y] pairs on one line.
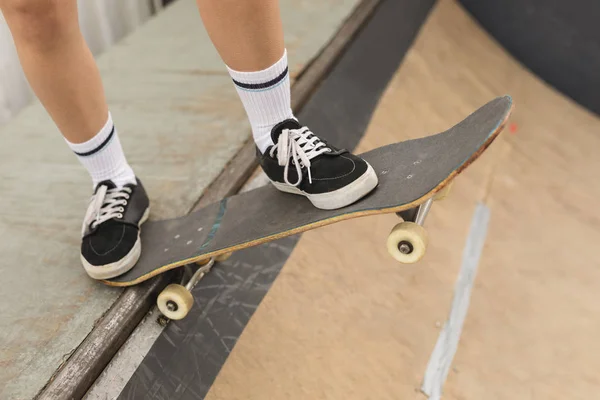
[[338, 198], [117, 268]]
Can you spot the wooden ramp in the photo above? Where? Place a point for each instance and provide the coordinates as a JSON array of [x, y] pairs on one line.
[[345, 321]]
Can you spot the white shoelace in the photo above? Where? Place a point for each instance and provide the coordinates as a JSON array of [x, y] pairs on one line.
[[104, 205], [299, 146]]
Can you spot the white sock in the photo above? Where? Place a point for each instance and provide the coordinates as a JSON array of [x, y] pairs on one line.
[[103, 157], [266, 98]]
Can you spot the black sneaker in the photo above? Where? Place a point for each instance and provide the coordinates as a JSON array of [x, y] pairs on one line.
[[302, 163], [111, 229]]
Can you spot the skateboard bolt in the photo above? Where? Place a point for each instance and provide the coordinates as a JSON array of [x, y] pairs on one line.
[[172, 306], [405, 247]]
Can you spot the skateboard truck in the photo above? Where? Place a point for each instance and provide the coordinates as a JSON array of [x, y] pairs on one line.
[[176, 300], [407, 243], [408, 240], [238, 222]]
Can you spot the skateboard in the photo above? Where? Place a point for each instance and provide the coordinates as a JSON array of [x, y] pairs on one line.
[[412, 174]]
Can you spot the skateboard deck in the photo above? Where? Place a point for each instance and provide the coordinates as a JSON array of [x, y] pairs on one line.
[[409, 172]]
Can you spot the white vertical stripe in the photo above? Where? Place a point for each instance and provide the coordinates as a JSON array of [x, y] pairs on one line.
[[445, 348]]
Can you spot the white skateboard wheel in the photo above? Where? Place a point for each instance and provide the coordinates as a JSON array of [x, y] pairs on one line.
[[175, 301], [407, 242]]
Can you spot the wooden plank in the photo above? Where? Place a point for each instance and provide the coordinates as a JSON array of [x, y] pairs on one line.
[[344, 321], [532, 329]]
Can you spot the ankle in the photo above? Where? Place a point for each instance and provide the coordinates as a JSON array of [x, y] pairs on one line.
[[120, 176], [103, 157], [265, 95]]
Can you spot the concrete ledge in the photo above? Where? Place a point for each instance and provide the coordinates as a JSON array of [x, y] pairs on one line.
[[180, 123]]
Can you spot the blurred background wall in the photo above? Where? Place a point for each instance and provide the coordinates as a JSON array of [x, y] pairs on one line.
[[556, 39], [103, 22]]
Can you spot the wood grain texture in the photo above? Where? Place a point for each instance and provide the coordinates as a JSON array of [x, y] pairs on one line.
[[344, 321]]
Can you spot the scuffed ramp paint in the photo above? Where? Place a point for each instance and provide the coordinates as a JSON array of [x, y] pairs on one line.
[[445, 348]]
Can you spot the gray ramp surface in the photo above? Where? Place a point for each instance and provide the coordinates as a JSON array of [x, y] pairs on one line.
[[407, 171]]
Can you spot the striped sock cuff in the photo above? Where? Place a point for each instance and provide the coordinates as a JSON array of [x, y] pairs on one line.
[[103, 156], [262, 80], [97, 143], [266, 98]]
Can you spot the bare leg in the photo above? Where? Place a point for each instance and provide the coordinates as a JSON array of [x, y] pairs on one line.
[[248, 34], [58, 64], [62, 72]]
